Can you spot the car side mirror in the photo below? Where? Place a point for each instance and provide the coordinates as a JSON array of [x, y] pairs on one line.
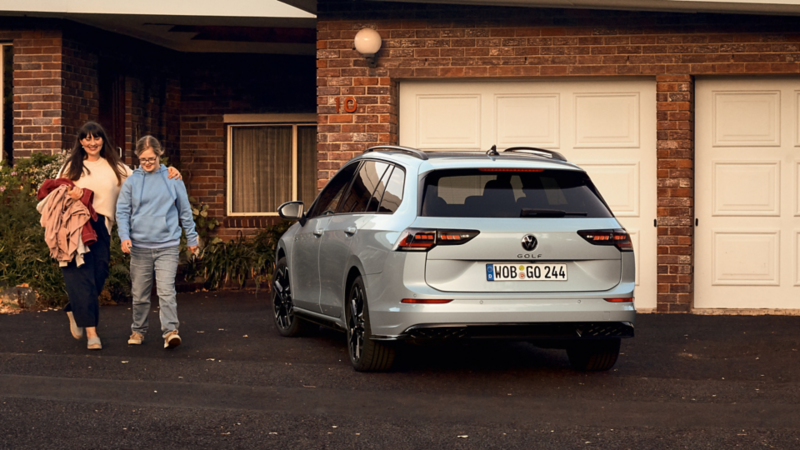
[[291, 211]]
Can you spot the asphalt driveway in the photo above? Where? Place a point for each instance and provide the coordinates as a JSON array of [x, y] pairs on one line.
[[684, 381]]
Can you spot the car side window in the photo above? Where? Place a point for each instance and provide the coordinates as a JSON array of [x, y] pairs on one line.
[[330, 196], [365, 184], [375, 201], [393, 195]]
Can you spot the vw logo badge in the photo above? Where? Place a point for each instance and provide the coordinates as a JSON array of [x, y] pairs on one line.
[[529, 242]]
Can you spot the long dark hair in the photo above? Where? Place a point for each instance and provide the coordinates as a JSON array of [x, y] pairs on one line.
[[73, 167]]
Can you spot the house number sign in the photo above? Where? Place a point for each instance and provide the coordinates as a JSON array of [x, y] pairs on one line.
[[349, 104]]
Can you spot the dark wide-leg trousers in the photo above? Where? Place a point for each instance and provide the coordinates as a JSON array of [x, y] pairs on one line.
[[85, 283]]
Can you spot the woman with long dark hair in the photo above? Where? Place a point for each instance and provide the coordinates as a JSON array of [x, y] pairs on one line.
[[93, 164]]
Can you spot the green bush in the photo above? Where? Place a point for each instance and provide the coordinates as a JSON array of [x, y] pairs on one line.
[[191, 266], [239, 260], [118, 283], [24, 255]]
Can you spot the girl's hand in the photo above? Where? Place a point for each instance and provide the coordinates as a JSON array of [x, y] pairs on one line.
[[75, 193], [126, 246], [193, 249], [174, 173]]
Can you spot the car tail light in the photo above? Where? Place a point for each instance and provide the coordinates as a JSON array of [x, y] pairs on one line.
[[426, 301], [618, 238], [414, 239], [620, 300]]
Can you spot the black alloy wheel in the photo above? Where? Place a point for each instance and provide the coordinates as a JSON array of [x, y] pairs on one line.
[[366, 355], [286, 322]]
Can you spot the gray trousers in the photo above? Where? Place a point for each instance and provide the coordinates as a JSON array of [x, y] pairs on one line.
[[164, 262]]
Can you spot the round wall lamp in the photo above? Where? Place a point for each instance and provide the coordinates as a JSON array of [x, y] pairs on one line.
[[368, 42]]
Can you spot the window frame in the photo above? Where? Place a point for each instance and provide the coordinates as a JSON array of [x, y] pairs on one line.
[[232, 121]]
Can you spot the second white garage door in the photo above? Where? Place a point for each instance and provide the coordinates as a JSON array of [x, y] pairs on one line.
[[748, 193], [608, 127]]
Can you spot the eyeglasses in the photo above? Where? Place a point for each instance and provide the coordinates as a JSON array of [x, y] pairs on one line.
[[148, 160]]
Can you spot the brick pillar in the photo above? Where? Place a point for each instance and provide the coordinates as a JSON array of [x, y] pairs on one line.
[[37, 93], [342, 74], [675, 100]]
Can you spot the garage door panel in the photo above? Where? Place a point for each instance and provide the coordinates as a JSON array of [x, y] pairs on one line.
[[448, 120], [746, 258], [746, 188], [746, 119], [527, 120], [747, 243], [609, 120], [796, 256], [796, 112], [618, 183], [796, 187]]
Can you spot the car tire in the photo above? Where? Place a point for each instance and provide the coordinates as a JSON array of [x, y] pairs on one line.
[[366, 355], [594, 355], [286, 322]]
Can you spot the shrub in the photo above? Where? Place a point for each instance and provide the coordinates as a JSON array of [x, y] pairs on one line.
[[203, 225], [24, 255], [240, 260]]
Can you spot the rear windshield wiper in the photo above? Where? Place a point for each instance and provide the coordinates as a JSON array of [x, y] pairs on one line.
[[526, 212]]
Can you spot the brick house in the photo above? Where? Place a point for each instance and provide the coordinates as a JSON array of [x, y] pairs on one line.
[[688, 122], [212, 82]]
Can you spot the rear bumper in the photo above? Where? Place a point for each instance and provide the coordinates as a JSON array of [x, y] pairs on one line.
[[519, 331]]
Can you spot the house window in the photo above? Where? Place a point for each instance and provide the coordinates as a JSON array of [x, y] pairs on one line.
[[271, 163], [6, 111]]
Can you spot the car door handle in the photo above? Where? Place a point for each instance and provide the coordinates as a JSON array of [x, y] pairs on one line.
[[350, 231], [317, 233]]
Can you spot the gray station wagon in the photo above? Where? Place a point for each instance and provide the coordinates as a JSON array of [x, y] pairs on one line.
[[404, 245]]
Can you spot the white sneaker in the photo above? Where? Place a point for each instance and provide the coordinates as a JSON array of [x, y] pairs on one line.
[[136, 338]]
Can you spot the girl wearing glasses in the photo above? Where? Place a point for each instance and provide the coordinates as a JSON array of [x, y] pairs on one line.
[[93, 165], [151, 209]]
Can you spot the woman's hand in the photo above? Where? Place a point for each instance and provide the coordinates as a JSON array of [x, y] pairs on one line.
[[75, 193], [174, 173], [193, 249], [126, 246]]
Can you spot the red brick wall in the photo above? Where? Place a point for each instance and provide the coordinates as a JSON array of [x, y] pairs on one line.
[[675, 174], [210, 89], [460, 42], [38, 90], [80, 93], [56, 86]]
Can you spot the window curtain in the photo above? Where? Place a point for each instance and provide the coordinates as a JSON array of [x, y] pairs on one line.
[[306, 164], [261, 175]]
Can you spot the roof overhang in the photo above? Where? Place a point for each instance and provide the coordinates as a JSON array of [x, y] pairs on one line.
[[790, 7], [233, 26]]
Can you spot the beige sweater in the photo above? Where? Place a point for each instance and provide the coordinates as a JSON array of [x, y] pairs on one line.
[[103, 182]]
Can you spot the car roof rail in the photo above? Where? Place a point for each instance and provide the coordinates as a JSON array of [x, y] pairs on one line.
[[537, 151], [396, 148]]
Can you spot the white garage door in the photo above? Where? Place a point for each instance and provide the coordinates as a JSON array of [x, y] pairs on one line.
[[748, 195], [607, 127]]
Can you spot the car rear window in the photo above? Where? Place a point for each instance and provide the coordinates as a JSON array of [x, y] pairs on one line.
[[511, 193]]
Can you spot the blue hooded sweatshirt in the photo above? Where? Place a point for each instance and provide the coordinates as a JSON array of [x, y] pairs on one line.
[[149, 207]]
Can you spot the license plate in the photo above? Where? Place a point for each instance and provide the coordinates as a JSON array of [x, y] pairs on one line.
[[526, 272]]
